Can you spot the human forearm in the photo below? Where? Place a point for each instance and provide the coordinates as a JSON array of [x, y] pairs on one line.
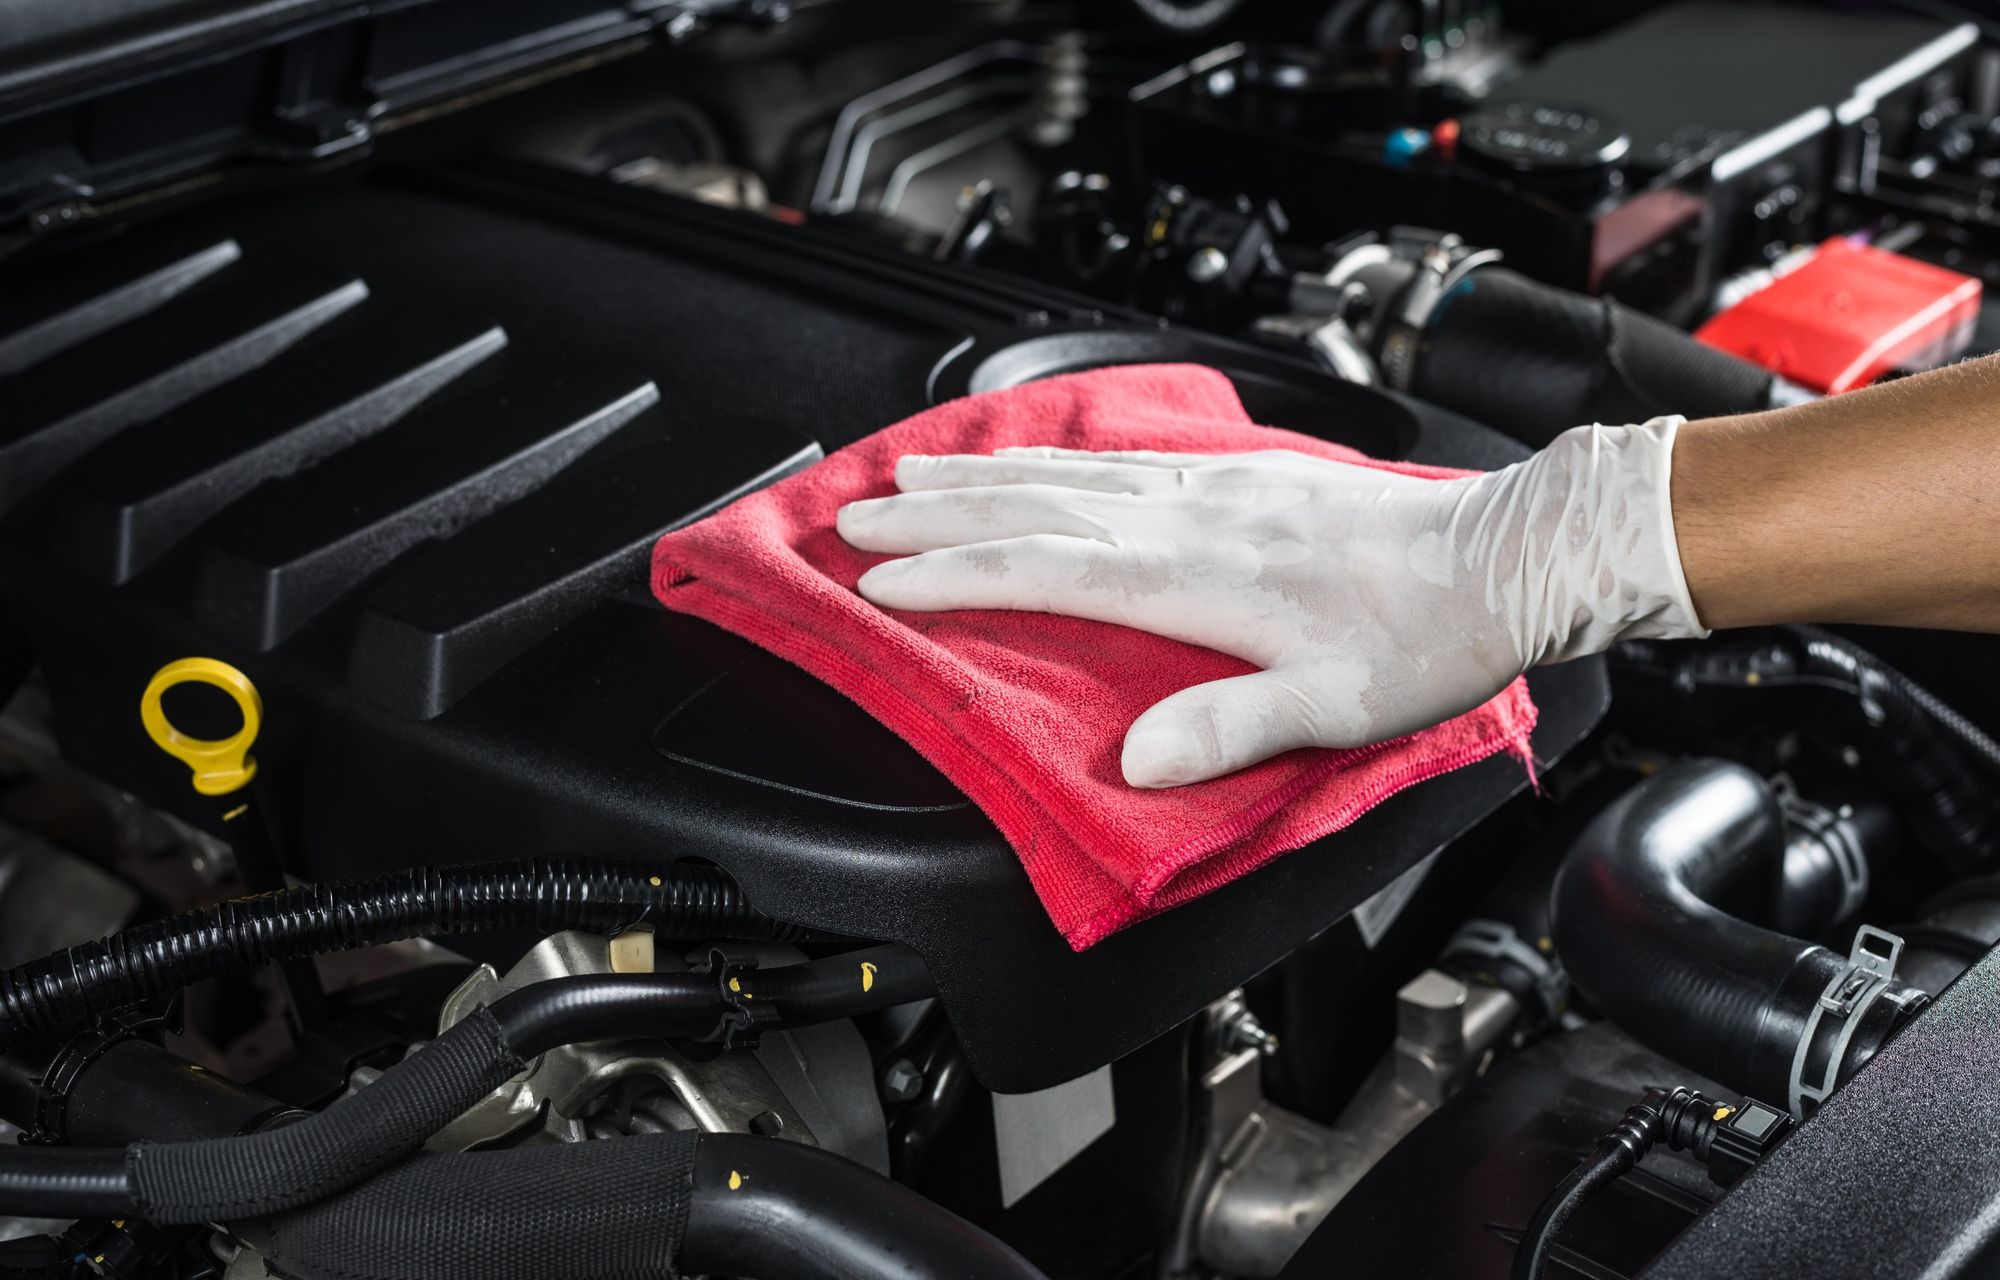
[[1875, 506], [1377, 604]]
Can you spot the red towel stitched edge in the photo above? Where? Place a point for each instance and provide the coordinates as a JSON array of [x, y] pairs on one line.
[[1026, 712]]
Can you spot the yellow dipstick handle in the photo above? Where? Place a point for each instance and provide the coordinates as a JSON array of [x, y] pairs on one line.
[[220, 765]]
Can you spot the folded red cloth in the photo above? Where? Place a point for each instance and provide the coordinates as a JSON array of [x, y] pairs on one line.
[[1026, 712]]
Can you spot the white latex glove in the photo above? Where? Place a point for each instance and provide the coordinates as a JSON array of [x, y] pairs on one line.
[[1377, 603]]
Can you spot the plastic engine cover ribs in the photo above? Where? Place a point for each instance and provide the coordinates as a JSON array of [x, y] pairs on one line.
[[399, 452]]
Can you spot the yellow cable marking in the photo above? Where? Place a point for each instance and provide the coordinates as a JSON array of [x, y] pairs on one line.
[[1723, 1113], [867, 976], [736, 986], [1754, 677], [736, 1181], [654, 881], [236, 813], [118, 1224]]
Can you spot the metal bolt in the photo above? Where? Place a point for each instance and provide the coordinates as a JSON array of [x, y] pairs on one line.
[[1237, 1028], [901, 1081], [1248, 1033], [1207, 264]]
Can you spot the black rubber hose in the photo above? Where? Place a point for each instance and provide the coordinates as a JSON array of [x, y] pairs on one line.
[[1534, 360], [298, 1164], [637, 1206], [58, 993], [825, 990], [776, 1210], [1636, 922], [571, 1010], [55, 1182]]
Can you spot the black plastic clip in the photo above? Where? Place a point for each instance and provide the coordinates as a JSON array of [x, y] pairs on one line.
[[75, 1055], [743, 1020]]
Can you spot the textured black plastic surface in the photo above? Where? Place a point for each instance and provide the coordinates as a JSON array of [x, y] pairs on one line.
[[99, 98], [1449, 1202], [1898, 1174], [450, 628]]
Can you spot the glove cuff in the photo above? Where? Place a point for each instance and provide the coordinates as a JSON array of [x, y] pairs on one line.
[[1612, 570], [1683, 623]]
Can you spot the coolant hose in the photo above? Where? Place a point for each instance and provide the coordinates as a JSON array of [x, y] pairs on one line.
[[648, 1205], [58, 993], [282, 1168], [1637, 921]]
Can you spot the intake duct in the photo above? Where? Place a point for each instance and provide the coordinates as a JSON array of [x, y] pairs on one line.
[[1647, 916], [1535, 360]]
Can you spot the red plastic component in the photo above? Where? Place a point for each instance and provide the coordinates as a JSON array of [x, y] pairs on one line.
[[1445, 138], [1848, 315]]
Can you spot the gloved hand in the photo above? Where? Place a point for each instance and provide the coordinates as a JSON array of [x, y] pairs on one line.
[[1377, 603]]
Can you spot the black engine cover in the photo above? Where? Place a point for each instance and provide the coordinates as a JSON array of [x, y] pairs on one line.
[[399, 449]]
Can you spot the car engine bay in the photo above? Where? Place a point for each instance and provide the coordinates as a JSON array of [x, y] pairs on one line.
[[390, 887]]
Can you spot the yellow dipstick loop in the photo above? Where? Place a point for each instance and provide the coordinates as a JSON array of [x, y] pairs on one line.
[[220, 765]]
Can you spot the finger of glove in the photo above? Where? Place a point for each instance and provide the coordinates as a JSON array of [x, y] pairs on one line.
[[1218, 728], [917, 471], [1044, 573], [1134, 457], [1077, 578], [927, 520]]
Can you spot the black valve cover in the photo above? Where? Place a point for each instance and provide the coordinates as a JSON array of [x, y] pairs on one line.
[[398, 450]]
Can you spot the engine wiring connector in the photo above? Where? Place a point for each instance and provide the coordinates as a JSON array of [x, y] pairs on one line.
[[1728, 1138]]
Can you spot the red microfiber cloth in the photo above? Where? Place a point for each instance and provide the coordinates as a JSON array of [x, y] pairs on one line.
[[1026, 712]]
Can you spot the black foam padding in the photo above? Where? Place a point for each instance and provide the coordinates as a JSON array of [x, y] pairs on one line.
[[219, 1179], [1897, 1174], [615, 1209]]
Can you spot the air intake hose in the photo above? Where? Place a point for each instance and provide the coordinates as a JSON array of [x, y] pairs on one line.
[[55, 995], [1534, 360], [1639, 919]]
